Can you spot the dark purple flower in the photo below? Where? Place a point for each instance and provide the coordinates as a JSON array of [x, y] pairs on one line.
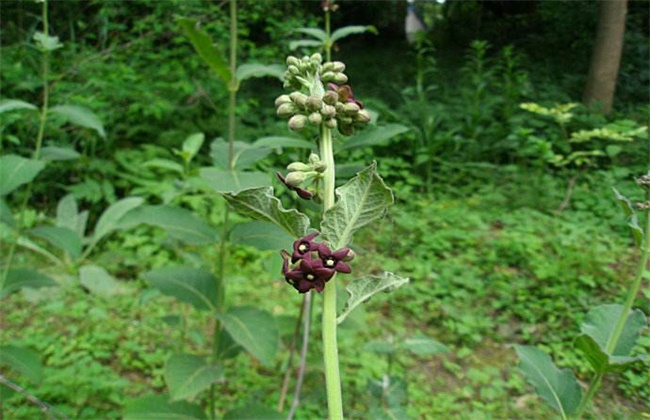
[[304, 246], [310, 274], [345, 93], [334, 260], [304, 194]]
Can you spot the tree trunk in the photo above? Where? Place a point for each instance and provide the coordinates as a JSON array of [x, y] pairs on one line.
[[606, 56]]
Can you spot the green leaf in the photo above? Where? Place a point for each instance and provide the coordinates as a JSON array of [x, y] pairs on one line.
[[111, 217], [599, 360], [246, 71], [192, 144], [6, 216], [179, 223], [225, 181], [68, 216], [380, 347], [60, 237], [25, 242], [278, 142], [244, 155], [204, 46], [424, 346], [7, 105], [633, 221], [51, 154], [187, 375], [253, 329], [80, 116], [16, 171], [23, 360], [261, 204], [373, 137], [352, 30], [316, 33], [253, 411], [98, 281], [19, 278], [600, 324], [47, 42], [261, 235], [558, 387], [305, 43], [166, 164], [361, 201], [195, 286], [361, 290], [157, 407]]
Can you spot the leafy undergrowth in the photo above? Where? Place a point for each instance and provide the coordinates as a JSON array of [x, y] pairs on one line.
[[483, 277]]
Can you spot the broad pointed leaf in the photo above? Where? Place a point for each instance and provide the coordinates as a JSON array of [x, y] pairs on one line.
[[19, 278], [361, 201], [193, 143], [633, 221], [80, 116], [557, 387], [157, 407], [599, 360], [98, 281], [110, 219], [309, 43], [248, 70], [261, 235], [374, 136], [253, 329], [23, 360], [361, 290], [195, 286], [225, 181], [317, 33], [352, 30], [7, 105], [600, 325], [16, 171], [186, 375], [204, 46], [424, 346], [261, 204], [60, 237], [52, 153], [179, 223]]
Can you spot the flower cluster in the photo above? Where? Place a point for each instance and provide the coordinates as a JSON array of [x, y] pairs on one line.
[[334, 108], [313, 264], [302, 173]]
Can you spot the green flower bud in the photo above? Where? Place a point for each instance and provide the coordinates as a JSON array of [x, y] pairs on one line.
[[330, 97], [282, 99], [292, 61], [315, 118], [362, 117], [295, 179], [297, 122], [314, 158], [299, 99], [351, 109], [314, 103], [316, 58], [298, 167], [333, 66], [293, 70], [328, 76], [286, 110], [340, 78], [330, 123], [328, 111], [345, 120]]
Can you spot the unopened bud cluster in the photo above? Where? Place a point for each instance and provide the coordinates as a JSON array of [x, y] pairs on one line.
[[299, 174], [644, 181], [334, 108]]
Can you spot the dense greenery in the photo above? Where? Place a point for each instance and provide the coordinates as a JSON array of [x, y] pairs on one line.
[[505, 219]]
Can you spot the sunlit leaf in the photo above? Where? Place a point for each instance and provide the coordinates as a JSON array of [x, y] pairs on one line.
[[16, 171], [192, 144], [206, 49], [187, 375], [7, 105], [305, 43], [254, 329], [361, 290], [557, 387], [157, 407], [261, 204], [80, 116], [111, 217], [360, 201]]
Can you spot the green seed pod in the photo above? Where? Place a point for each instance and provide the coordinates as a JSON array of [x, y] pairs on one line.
[[340, 78], [297, 122], [328, 111], [282, 99], [351, 109], [298, 167], [286, 110], [299, 99], [362, 117], [295, 179], [314, 103], [315, 118], [292, 61], [330, 97]]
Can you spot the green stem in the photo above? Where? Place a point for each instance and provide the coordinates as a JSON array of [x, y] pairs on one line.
[[330, 346], [233, 86], [595, 385]]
